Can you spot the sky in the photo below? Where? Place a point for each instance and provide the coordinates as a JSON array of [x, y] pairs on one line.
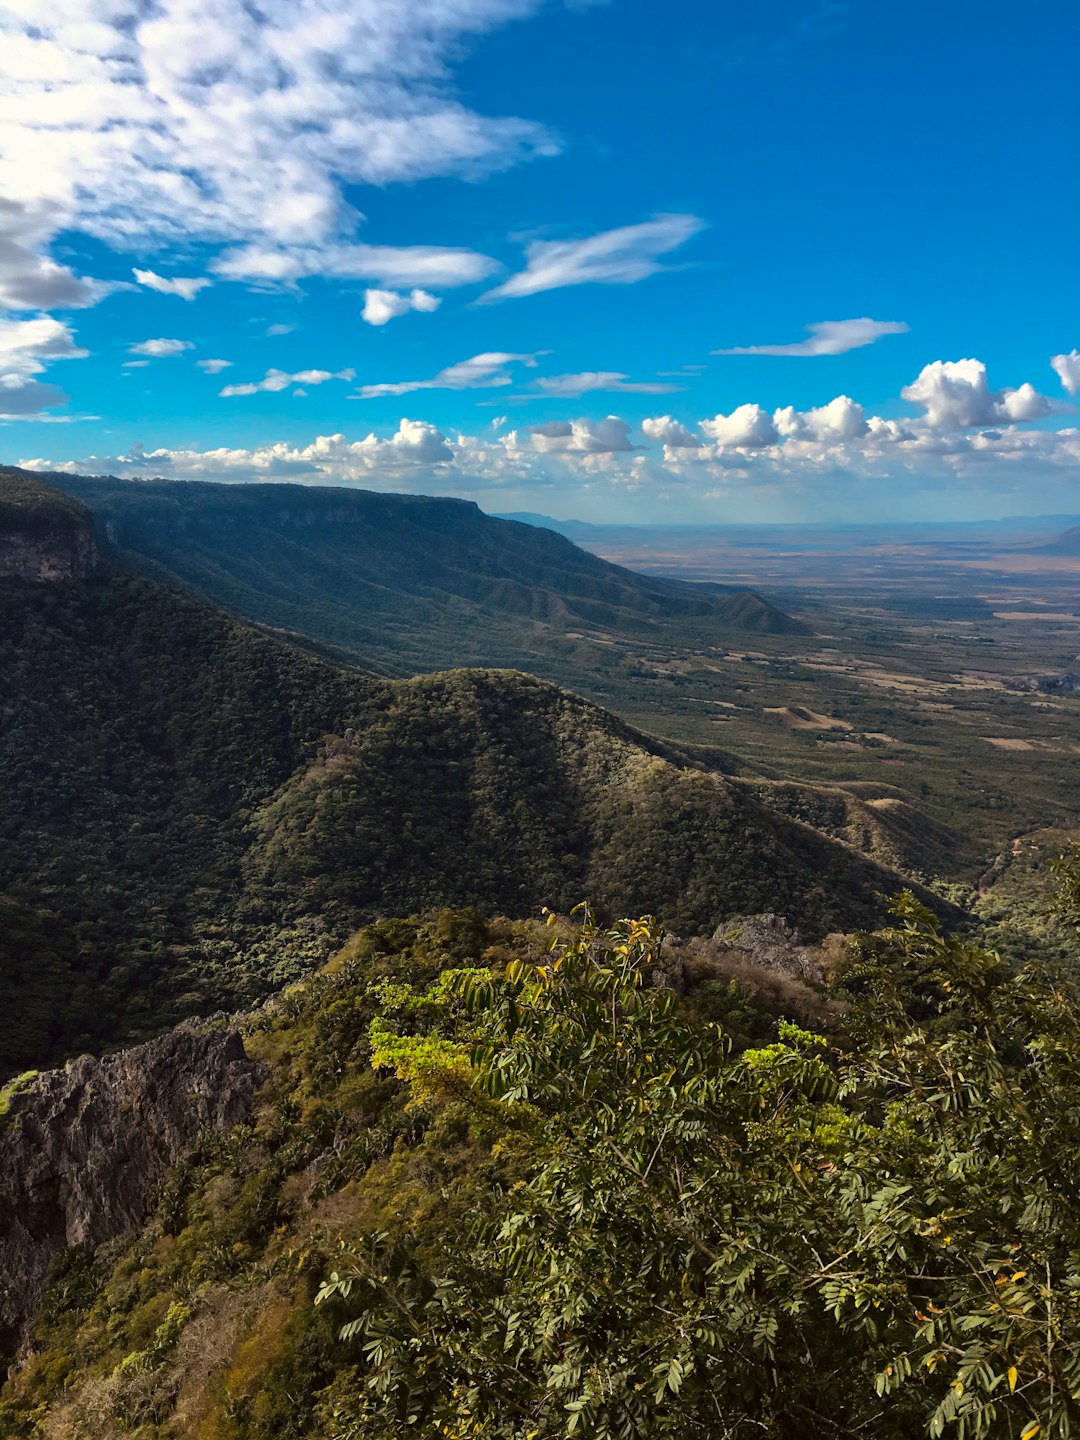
[[617, 260]]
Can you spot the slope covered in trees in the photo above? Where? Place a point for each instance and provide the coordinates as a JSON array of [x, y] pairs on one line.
[[514, 1183], [407, 582], [193, 812]]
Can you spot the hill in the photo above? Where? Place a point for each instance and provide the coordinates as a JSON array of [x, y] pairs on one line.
[[1067, 543], [193, 812], [407, 582], [479, 1170]]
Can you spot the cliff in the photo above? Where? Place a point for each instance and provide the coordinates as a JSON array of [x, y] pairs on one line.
[[83, 1149], [44, 536]]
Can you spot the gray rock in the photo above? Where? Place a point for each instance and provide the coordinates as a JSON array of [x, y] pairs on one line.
[[769, 941], [84, 1149]]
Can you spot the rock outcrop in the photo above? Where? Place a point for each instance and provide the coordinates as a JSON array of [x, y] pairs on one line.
[[83, 1149], [44, 536]]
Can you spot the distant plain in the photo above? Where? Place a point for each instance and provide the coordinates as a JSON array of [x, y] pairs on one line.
[[906, 686]]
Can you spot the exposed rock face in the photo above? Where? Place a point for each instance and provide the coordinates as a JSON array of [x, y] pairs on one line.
[[83, 1149], [769, 941], [66, 553], [44, 536]]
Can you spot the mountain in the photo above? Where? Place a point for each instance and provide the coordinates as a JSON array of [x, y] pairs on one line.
[[407, 582], [1067, 543], [193, 812]]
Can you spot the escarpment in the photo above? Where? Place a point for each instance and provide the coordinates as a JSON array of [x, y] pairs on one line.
[[83, 1149], [44, 536]]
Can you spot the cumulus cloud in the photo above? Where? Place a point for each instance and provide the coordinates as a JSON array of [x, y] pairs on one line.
[[382, 306], [186, 287], [480, 373], [29, 279], [956, 394], [828, 337], [841, 419], [1068, 370], [615, 257], [748, 427], [213, 367], [275, 380], [161, 349], [574, 437], [417, 449], [668, 432], [26, 347], [819, 453]]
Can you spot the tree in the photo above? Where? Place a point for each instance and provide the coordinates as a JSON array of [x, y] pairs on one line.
[[877, 1235]]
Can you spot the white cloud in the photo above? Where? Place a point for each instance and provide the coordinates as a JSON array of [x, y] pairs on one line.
[[26, 347], [280, 328], [417, 449], [275, 380], [569, 386], [186, 287], [615, 257], [841, 419], [1068, 370], [480, 373], [213, 367], [382, 306], [828, 337], [817, 458], [956, 394], [161, 349], [439, 266], [747, 427], [668, 432], [580, 437], [224, 121]]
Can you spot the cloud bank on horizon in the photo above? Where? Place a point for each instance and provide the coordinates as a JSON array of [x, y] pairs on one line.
[[837, 445], [248, 187]]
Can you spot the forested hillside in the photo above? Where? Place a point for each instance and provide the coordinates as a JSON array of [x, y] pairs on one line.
[[406, 582], [194, 812]]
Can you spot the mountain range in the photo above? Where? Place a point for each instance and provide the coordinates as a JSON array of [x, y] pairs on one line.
[[194, 811], [406, 583]]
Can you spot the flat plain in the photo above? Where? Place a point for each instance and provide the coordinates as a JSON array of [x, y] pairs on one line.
[[908, 688]]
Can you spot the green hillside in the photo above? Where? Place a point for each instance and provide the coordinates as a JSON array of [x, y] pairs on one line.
[[407, 582], [193, 812], [501, 1176]]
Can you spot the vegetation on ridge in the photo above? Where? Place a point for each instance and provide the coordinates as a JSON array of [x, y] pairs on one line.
[[193, 813], [540, 1193]]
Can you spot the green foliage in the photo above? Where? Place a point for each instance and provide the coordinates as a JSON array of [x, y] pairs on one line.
[[193, 814], [879, 1236]]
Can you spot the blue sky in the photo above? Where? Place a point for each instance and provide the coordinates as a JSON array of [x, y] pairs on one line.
[[493, 248]]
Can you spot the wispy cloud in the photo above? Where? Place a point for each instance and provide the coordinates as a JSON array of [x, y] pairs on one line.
[[440, 266], [276, 380], [828, 337], [482, 372], [569, 386], [213, 367], [186, 287], [614, 257]]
